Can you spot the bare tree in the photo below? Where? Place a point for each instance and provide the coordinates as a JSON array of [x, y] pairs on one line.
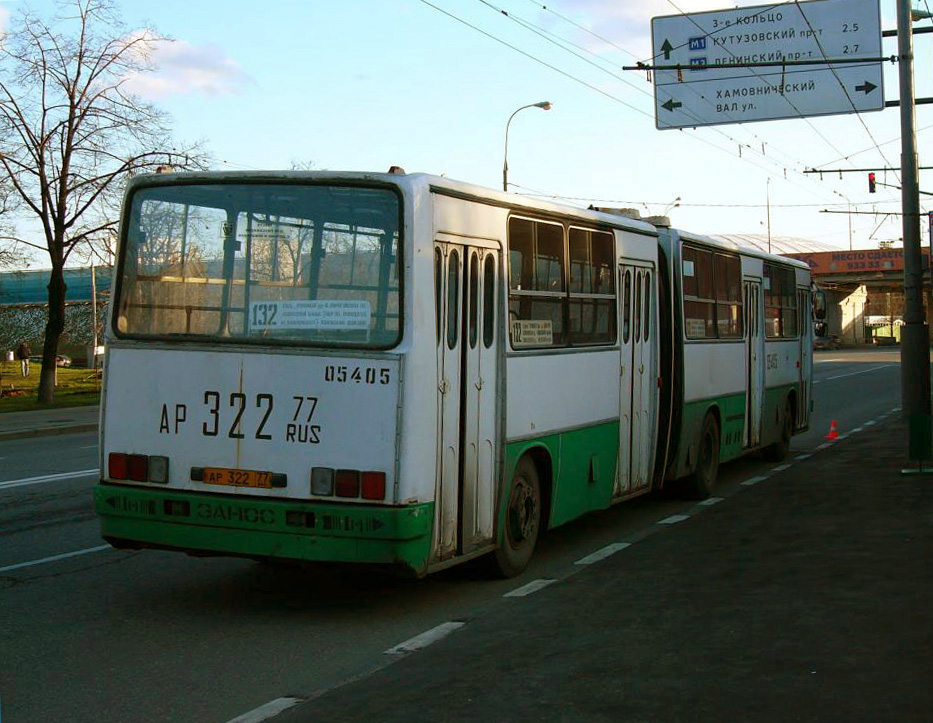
[[70, 134], [10, 253]]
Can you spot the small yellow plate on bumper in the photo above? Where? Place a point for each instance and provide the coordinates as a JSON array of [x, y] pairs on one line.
[[237, 477]]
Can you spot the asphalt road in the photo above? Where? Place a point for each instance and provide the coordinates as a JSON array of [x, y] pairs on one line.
[[97, 634]]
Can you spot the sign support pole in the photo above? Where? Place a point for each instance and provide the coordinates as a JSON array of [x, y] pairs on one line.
[[915, 335]]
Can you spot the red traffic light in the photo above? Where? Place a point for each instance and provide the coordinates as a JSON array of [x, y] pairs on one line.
[[871, 182]]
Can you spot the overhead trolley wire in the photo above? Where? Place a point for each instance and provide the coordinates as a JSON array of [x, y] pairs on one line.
[[599, 37], [550, 37], [784, 96], [866, 150], [841, 85], [612, 97]]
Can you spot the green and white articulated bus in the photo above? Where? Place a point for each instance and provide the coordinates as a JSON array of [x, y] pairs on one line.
[[405, 370]]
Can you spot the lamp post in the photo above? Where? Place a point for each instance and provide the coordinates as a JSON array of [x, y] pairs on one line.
[[544, 105], [768, 202], [849, 214]]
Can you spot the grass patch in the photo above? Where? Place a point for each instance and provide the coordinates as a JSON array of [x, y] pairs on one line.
[[76, 387]]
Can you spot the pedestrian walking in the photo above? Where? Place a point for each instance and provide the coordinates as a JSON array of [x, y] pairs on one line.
[[23, 353]]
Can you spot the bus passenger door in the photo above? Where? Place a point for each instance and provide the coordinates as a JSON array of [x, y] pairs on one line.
[[466, 284], [635, 429], [755, 360]]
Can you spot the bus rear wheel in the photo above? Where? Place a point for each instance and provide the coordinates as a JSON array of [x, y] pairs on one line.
[[778, 451], [522, 521], [704, 476]]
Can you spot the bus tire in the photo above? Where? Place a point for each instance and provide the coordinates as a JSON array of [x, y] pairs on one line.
[[778, 451], [522, 521], [704, 476]]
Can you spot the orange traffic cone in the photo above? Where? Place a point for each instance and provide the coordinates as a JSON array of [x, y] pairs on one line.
[[833, 432]]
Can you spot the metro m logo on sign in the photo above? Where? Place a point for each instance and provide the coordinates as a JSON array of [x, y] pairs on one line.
[[697, 92]]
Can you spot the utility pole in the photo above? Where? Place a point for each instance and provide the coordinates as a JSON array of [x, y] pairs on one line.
[[915, 335]]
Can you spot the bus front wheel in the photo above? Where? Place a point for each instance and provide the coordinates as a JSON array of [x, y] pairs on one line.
[[704, 476], [522, 520]]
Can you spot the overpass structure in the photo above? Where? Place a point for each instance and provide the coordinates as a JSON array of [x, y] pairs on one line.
[[864, 288]]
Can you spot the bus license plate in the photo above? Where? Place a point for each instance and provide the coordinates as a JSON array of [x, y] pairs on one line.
[[237, 477]]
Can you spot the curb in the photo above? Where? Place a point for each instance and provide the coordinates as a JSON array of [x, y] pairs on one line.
[[48, 431]]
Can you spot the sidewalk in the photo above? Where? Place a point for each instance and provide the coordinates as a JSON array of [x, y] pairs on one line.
[[805, 596], [41, 422]]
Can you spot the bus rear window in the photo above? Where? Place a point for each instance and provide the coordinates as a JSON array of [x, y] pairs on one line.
[[267, 263]]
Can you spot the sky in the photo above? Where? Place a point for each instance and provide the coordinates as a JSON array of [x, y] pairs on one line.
[[430, 84]]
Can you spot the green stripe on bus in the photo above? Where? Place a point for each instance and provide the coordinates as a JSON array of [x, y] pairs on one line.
[[267, 528], [731, 419], [583, 467]]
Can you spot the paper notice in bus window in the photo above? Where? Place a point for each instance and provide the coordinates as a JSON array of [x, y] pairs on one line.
[[688, 268], [538, 332], [695, 328], [320, 315]]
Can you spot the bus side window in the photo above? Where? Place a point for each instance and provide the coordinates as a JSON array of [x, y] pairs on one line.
[[438, 302], [489, 300], [627, 307], [647, 303], [473, 321], [453, 294], [637, 333]]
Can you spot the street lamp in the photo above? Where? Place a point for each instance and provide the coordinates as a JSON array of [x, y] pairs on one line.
[[544, 105], [849, 214], [768, 201]]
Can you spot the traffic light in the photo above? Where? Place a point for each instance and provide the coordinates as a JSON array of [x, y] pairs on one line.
[[871, 182]]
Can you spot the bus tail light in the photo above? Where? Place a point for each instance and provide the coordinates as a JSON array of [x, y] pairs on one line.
[[374, 485], [137, 467], [158, 469], [348, 483], [322, 481], [116, 466]]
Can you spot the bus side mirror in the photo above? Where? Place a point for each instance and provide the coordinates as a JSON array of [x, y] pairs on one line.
[[819, 304]]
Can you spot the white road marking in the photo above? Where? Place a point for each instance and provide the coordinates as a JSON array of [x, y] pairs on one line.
[[53, 558], [856, 430], [870, 423], [603, 553], [48, 478], [802, 457], [824, 361], [673, 519], [267, 711], [863, 371], [91, 446], [842, 437], [753, 481], [825, 445], [781, 467], [711, 501], [425, 639], [530, 588]]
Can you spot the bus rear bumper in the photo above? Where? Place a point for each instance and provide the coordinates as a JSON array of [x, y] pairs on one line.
[[205, 524]]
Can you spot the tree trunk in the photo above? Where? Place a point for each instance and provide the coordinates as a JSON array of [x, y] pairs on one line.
[[53, 332]]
